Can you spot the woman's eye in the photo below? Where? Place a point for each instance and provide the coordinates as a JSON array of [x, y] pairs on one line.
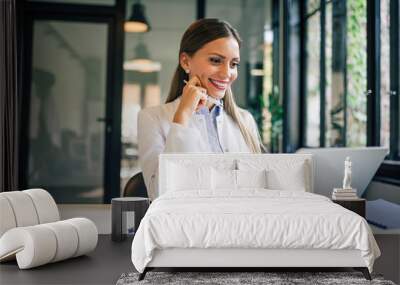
[[235, 64], [215, 60]]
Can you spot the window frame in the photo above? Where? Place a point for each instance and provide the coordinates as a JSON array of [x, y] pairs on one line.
[[388, 171], [114, 17], [394, 80]]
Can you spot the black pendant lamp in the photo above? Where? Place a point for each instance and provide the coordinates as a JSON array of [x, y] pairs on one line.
[[137, 22]]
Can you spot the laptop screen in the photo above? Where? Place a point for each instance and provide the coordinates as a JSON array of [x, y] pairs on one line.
[[329, 167]]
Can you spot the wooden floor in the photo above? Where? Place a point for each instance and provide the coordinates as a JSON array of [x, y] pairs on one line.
[[102, 266]]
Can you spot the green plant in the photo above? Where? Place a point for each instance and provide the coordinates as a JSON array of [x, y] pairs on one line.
[[276, 110]]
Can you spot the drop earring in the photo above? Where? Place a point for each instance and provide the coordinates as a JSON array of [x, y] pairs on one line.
[[187, 71]]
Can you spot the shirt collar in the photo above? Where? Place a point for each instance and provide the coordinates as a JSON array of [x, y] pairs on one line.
[[216, 110]]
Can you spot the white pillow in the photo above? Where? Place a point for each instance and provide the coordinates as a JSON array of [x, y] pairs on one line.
[[188, 177], [282, 173], [251, 178], [228, 179], [293, 178], [224, 179]]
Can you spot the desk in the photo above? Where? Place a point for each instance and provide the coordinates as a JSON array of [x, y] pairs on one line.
[[356, 205]]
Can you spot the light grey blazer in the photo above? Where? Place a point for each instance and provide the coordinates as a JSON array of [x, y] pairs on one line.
[[158, 134]]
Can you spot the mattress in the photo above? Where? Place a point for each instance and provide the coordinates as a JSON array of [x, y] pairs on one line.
[[250, 219]]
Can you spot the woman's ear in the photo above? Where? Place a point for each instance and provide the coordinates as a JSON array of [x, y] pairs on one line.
[[184, 61]]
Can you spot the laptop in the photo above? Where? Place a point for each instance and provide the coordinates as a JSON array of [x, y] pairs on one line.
[[329, 167]]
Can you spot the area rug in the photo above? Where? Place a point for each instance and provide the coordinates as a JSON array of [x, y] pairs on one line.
[[269, 278]]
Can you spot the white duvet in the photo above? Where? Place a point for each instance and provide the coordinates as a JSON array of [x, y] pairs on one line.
[[253, 218]]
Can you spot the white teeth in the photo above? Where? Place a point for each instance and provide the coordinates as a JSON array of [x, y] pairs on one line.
[[218, 84]]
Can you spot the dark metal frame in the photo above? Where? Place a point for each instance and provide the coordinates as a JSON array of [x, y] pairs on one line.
[[25, 60], [295, 127], [294, 135], [394, 81], [344, 130], [275, 43], [322, 77], [114, 17], [276, 69], [373, 73], [303, 75], [285, 75], [20, 75], [363, 270], [201, 9]]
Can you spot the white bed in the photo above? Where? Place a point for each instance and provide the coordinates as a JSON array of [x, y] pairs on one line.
[[204, 220]]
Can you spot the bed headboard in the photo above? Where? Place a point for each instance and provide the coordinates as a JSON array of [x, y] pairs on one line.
[[281, 162]]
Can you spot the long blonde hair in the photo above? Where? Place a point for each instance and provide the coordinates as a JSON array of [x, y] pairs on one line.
[[196, 36]]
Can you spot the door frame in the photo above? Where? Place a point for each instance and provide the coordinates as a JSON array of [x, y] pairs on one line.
[[113, 16]]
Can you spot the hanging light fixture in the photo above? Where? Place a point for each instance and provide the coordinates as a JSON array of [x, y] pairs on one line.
[[137, 22], [142, 61]]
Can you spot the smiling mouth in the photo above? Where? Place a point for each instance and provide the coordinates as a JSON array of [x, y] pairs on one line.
[[220, 85]]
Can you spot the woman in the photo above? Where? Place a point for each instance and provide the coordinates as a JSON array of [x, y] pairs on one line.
[[189, 121]]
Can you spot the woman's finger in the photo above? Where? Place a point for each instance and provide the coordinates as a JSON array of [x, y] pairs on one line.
[[202, 90], [202, 100], [194, 81], [194, 96]]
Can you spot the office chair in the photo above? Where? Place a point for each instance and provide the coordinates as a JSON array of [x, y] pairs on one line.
[[135, 187]]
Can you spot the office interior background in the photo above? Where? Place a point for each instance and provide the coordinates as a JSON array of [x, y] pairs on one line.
[[313, 73]]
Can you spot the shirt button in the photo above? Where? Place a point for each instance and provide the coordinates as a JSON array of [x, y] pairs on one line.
[[226, 150]]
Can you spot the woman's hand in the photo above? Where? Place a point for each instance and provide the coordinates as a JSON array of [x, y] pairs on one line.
[[193, 98]]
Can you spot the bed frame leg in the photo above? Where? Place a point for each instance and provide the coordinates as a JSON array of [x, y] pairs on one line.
[[143, 274], [364, 271]]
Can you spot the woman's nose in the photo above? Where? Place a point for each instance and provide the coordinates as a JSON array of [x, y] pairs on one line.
[[225, 71]]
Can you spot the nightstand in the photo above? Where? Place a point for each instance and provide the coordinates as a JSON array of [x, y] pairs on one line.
[[355, 205], [121, 215]]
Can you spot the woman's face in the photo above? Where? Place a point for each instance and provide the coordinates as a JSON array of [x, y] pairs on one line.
[[215, 64]]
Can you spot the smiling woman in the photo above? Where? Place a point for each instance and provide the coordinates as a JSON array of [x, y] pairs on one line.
[[215, 64], [209, 55]]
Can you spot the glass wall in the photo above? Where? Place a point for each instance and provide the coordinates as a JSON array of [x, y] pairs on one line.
[[67, 109], [385, 73], [328, 73], [345, 75], [150, 60], [268, 106], [356, 73], [238, 13], [337, 112], [313, 75], [253, 90]]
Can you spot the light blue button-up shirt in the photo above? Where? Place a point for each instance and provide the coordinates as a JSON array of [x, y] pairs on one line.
[[211, 123]]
